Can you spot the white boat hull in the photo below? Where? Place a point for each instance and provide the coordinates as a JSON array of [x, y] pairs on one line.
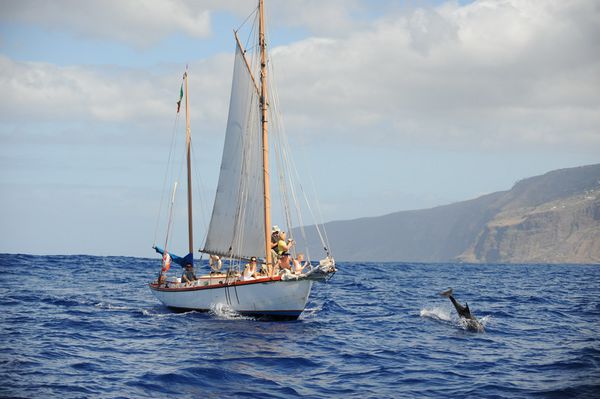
[[272, 298]]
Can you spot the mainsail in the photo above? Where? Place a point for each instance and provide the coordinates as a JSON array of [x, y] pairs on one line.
[[237, 225]]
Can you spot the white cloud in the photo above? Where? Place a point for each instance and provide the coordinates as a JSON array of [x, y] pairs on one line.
[[138, 22], [490, 74], [41, 92], [142, 23], [332, 17], [45, 92]]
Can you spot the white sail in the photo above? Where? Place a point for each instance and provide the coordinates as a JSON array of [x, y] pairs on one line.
[[237, 224]]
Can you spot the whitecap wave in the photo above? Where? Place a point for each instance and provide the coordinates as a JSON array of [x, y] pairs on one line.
[[151, 313], [309, 313], [147, 312], [104, 305]]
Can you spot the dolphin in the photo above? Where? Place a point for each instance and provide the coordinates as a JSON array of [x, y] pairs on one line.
[[464, 312]]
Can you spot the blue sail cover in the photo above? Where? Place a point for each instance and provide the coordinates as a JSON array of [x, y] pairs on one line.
[[189, 258]]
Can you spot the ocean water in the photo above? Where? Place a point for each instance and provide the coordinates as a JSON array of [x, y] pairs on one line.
[[81, 326]]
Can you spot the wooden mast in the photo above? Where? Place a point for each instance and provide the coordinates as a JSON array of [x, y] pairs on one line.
[[188, 140], [265, 137]]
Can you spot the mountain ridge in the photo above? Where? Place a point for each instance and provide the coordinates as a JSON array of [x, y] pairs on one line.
[[526, 224]]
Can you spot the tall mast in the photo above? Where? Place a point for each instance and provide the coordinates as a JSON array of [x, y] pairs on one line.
[[265, 137], [188, 140]]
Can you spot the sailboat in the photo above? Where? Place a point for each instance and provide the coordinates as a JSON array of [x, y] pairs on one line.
[[240, 229]]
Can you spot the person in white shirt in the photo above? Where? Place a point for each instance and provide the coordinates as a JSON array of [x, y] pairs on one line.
[[249, 272], [299, 264]]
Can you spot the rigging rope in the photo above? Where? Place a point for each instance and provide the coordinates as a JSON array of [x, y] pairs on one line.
[[169, 176], [164, 189], [255, 13], [200, 185], [170, 221], [253, 32], [291, 166]]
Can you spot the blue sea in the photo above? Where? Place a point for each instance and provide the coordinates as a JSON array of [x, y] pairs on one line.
[[83, 326]]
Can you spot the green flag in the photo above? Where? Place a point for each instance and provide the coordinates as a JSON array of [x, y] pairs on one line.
[[180, 97]]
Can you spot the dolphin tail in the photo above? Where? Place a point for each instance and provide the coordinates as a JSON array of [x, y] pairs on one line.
[[447, 293]]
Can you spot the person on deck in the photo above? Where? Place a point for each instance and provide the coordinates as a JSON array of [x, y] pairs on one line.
[[284, 262], [264, 270], [166, 265], [215, 264], [275, 235], [299, 264], [284, 245], [188, 275], [274, 241], [249, 272]]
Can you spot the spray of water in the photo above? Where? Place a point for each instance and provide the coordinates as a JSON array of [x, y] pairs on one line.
[[437, 313], [445, 315], [310, 313], [225, 312]]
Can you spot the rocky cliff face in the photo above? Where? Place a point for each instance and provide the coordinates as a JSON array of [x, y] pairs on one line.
[[561, 231], [553, 218]]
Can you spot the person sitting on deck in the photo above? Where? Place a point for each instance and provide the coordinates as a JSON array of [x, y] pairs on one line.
[[249, 272], [264, 270], [215, 264], [299, 264], [284, 262], [188, 275]]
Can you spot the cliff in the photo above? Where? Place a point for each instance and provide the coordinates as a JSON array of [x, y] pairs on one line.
[[553, 218]]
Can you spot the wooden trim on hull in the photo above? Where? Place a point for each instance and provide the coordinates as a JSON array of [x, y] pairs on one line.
[[155, 287]]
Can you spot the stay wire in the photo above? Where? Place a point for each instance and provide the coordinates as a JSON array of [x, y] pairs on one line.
[[252, 34], [255, 13], [199, 186], [322, 235], [167, 170]]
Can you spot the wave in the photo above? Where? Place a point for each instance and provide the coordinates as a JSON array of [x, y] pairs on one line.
[[311, 312], [109, 306], [330, 305], [162, 312]]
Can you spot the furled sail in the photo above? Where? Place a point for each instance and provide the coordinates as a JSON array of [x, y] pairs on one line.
[[237, 225]]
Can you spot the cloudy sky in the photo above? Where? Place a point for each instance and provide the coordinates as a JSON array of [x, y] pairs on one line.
[[398, 104]]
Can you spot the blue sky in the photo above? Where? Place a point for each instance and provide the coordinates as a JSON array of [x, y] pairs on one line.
[[396, 105]]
